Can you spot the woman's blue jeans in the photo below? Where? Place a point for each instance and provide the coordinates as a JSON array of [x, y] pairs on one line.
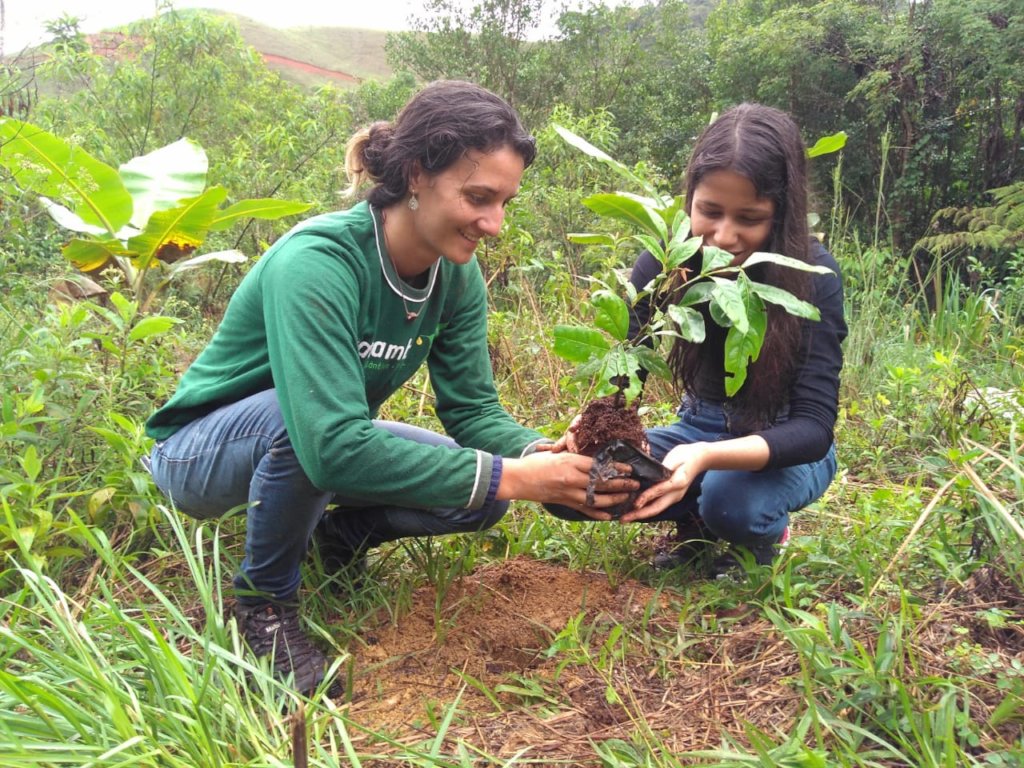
[[241, 455], [741, 507]]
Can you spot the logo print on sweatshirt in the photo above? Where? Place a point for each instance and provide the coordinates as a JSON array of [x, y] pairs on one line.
[[381, 350]]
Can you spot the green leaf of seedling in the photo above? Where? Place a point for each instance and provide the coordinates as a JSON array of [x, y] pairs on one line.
[[680, 228], [260, 208], [628, 209], [611, 313], [49, 166], [98, 500], [682, 250], [670, 209], [589, 149], [786, 300], [590, 370], [738, 356], [589, 238], [189, 223], [618, 366], [586, 147], [155, 325], [715, 259], [826, 145], [622, 279], [688, 322], [785, 261], [578, 344], [727, 297], [718, 315], [655, 207], [741, 348], [651, 361], [757, 315], [163, 178], [652, 245], [697, 293], [633, 389], [680, 219]]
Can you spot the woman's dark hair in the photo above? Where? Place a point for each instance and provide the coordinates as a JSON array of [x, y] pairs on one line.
[[764, 145], [434, 129]]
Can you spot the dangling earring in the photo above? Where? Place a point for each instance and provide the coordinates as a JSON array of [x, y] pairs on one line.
[[414, 204]]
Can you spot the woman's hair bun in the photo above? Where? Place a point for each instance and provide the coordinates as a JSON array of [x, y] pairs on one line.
[[379, 136]]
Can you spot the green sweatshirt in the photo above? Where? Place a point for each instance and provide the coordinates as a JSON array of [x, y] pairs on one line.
[[320, 318]]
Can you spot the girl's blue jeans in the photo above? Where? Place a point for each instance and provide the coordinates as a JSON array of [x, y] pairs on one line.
[[741, 507], [241, 456]]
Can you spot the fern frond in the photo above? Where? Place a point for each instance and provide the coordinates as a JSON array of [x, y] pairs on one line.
[[995, 227]]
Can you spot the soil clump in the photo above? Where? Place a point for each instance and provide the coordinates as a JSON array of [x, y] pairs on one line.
[[606, 419], [612, 434]]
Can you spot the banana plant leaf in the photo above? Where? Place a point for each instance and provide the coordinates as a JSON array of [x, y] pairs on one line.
[[52, 168], [164, 177]]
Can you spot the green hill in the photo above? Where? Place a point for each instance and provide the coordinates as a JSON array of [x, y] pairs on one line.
[[310, 56], [315, 55]]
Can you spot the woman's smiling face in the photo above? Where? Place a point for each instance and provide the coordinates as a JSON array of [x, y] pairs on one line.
[[466, 201], [727, 212]]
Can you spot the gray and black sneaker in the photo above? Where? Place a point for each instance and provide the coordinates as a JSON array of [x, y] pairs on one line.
[[690, 545], [338, 557], [763, 554], [272, 629]]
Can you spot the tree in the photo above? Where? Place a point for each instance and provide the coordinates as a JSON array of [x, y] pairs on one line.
[[191, 75], [486, 44]]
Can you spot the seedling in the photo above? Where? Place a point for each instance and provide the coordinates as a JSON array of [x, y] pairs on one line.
[[658, 223]]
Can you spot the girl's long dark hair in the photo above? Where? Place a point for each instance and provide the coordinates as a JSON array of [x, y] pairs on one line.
[[764, 145], [434, 129]]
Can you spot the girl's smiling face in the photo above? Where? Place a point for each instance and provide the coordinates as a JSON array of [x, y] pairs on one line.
[[727, 212]]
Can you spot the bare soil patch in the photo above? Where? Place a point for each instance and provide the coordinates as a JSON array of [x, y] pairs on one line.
[[495, 626], [690, 686], [302, 66]]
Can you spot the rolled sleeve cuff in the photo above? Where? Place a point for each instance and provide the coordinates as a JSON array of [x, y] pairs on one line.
[[485, 469], [492, 489]]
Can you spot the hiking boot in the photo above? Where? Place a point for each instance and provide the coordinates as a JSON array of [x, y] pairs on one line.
[[689, 545], [272, 629], [764, 554], [338, 557]]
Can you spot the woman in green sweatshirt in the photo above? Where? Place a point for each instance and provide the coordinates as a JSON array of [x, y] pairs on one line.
[[279, 411]]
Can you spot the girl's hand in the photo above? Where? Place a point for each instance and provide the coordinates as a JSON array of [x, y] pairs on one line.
[[562, 478], [686, 462], [566, 442]]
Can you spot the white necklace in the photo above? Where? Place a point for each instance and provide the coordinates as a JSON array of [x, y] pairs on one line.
[[410, 315]]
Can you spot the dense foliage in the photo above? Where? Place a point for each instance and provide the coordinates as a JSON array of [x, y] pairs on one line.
[[103, 660]]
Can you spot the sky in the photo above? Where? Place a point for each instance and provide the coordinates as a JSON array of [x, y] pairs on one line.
[[24, 19]]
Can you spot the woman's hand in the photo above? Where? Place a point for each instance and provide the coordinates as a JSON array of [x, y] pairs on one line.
[[562, 478], [686, 462]]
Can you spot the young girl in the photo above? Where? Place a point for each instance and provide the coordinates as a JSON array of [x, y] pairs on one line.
[[278, 411], [740, 465]]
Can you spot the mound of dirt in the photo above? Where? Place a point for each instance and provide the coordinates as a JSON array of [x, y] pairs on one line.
[[492, 631]]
